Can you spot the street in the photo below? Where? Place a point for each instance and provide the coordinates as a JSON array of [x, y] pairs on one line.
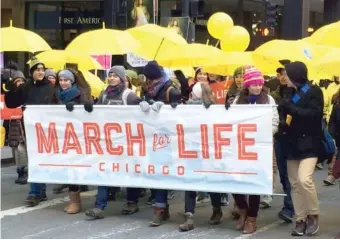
[[47, 220]]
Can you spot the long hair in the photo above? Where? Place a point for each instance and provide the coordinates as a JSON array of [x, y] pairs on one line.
[[244, 97], [83, 86], [336, 97]]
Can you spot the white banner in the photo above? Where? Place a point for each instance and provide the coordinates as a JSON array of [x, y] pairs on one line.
[[187, 148]]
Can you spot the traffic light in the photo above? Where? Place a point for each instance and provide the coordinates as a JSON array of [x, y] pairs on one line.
[[271, 13]]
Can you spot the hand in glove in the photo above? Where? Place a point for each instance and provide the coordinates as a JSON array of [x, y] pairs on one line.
[[70, 106], [173, 105], [227, 105], [88, 107], [144, 106], [157, 106], [207, 104]]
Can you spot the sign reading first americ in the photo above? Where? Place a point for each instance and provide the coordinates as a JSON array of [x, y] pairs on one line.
[[187, 148]]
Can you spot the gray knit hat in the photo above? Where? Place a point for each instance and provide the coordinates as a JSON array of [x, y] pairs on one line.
[[119, 71], [50, 72], [67, 74], [17, 74]]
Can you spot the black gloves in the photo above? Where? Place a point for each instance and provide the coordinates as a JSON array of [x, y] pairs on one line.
[[227, 105], [70, 106], [173, 104], [207, 104], [88, 106]]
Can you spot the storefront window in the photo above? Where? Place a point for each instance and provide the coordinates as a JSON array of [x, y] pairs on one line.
[[59, 22]]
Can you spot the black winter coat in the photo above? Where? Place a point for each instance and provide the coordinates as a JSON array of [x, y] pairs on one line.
[[334, 124], [305, 131], [32, 93]]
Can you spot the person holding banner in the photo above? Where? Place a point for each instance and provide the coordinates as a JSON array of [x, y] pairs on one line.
[[116, 93], [201, 94], [304, 113], [35, 91], [158, 91], [73, 89], [252, 93]]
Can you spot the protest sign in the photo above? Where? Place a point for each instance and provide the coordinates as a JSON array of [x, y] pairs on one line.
[[9, 113], [187, 148]]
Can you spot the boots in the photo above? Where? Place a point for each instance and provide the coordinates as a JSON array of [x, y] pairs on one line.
[[188, 224], [158, 217], [242, 219], [59, 188], [216, 216], [235, 213], [249, 225], [130, 208], [22, 176], [74, 206]]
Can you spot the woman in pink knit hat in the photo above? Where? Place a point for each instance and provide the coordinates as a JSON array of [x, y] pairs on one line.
[[252, 93]]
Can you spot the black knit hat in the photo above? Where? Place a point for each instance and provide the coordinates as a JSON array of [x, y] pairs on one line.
[[152, 70], [297, 73]]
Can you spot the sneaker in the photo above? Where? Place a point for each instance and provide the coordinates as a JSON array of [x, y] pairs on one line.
[[330, 180], [266, 201], [202, 199], [33, 201], [224, 200], [312, 225], [300, 228], [285, 216], [171, 195], [319, 166], [95, 213]]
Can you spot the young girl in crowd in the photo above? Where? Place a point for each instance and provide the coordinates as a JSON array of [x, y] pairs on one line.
[[252, 93]]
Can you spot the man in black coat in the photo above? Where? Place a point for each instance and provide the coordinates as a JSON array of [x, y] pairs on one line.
[[303, 113]]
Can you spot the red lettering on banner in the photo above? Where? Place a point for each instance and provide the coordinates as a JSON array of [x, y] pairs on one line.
[[244, 142], [115, 167], [182, 153], [180, 170], [71, 141], [151, 169], [137, 168], [108, 127], [165, 170], [218, 140], [92, 140], [161, 141], [46, 144], [205, 141], [100, 167], [139, 139]]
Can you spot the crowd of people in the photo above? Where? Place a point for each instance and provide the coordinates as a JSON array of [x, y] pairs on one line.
[[301, 123]]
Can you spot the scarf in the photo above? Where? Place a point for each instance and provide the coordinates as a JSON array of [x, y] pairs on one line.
[[252, 98], [68, 94], [112, 91], [157, 86]]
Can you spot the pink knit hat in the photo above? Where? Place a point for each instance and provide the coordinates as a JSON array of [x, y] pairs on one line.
[[252, 76]]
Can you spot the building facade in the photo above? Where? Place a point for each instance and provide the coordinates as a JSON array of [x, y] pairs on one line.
[[59, 21]]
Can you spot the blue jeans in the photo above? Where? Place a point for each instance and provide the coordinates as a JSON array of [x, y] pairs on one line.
[[38, 190], [161, 198], [281, 158], [103, 193]]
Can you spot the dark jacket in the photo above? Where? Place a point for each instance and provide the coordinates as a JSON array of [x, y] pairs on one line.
[[334, 124], [306, 110], [31, 93], [166, 94]]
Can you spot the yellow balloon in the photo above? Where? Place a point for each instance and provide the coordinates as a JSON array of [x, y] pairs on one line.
[[236, 39], [218, 23]]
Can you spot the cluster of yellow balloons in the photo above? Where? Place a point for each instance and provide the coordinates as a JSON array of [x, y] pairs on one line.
[[232, 38]]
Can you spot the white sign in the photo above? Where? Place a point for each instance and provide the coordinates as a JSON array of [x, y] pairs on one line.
[[187, 148], [136, 61]]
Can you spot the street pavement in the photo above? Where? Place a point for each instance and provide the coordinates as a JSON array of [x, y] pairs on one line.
[[47, 220]]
